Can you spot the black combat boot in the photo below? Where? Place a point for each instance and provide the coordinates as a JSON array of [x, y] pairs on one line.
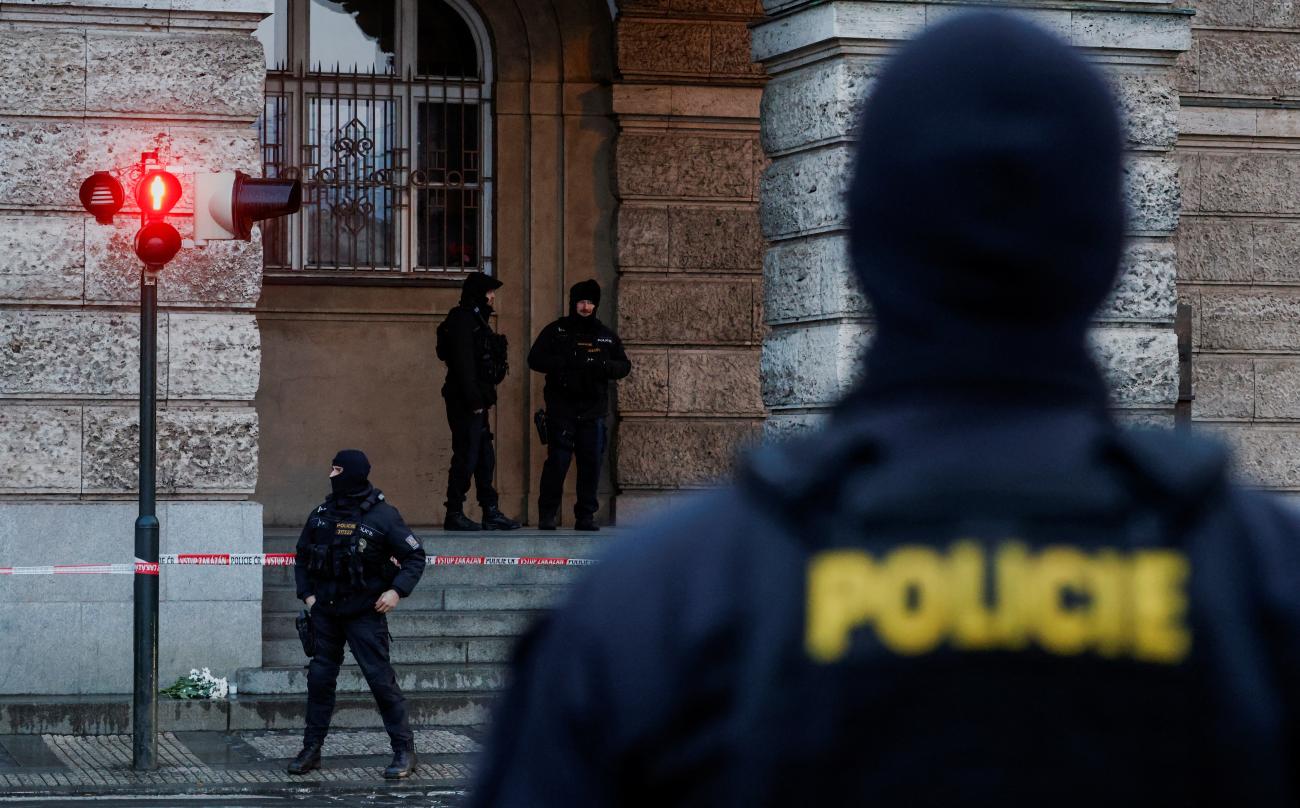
[[587, 522], [548, 520], [308, 759], [456, 520], [403, 764], [494, 519]]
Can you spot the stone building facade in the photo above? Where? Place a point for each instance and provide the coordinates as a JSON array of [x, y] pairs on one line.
[[690, 154], [1239, 241]]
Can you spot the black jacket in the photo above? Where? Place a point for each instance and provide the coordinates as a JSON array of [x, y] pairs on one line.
[[345, 551], [678, 673], [580, 356], [464, 342]]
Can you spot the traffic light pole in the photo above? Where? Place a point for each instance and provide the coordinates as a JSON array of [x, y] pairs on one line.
[[144, 713]]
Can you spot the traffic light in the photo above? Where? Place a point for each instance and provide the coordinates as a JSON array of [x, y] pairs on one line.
[[157, 242], [227, 203], [157, 194], [102, 195]]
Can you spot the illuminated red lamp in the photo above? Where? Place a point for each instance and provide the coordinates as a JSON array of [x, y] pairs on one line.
[[157, 194], [102, 196]]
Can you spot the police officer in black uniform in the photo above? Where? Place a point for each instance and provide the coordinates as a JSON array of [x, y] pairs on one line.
[[971, 587], [580, 355], [476, 364], [355, 560]]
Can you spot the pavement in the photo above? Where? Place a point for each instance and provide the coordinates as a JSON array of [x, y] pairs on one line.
[[237, 767]]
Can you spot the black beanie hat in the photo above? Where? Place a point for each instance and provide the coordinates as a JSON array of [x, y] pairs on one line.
[[584, 290], [986, 209], [356, 472], [473, 292]]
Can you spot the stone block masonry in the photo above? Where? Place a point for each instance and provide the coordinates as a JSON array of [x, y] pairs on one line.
[[823, 59], [1237, 261], [688, 167], [88, 86]]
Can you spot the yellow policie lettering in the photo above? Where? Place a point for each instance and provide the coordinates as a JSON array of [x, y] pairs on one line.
[[1063, 599]]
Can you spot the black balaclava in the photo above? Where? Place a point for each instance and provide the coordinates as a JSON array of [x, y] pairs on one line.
[[986, 213], [584, 290], [473, 292], [355, 478]]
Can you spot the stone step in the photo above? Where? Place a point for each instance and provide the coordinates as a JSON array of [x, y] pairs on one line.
[[406, 650], [427, 624], [551, 544], [111, 714], [458, 678], [490, 575], [280, 599]]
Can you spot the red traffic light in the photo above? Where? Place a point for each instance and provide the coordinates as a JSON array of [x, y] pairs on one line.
[[158, 193], [157, 243], [102, 196]]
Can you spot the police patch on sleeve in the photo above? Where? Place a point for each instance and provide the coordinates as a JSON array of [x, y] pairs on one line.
[[415, 544]]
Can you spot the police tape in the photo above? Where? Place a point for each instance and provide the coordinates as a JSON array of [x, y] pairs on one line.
[[142, 567]]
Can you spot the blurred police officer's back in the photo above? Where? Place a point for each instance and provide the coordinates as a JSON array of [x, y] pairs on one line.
[[970, 588]]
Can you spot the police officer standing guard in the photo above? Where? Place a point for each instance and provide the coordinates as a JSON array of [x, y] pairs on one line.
[[579, 355], [355, 560], [476, 364]]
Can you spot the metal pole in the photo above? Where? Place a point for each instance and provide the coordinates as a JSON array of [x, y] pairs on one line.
[[144, 747]]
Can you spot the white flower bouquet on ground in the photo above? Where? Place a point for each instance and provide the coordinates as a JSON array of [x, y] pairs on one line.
[[200, 684]]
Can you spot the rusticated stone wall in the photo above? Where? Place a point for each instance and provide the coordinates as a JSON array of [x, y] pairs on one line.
[[689, 251], [822, 57], [84, 86], [1239, 244]]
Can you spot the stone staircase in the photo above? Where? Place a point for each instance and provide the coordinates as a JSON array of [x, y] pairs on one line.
[[451, 639]]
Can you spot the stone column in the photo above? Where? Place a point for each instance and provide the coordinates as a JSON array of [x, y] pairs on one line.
[[822, 58], [689, 250], [84, 86]]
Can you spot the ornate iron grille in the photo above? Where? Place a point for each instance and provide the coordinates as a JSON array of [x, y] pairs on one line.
[[392, 168]]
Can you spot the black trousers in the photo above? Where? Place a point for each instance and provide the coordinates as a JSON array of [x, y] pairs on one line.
[[367, 635], [472, 458], [569, 437]]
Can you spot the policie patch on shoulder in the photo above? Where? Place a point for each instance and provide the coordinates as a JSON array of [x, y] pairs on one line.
[[415, 544]]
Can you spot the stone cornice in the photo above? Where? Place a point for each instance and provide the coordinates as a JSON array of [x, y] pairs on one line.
[[1148, 28], [180, 15]]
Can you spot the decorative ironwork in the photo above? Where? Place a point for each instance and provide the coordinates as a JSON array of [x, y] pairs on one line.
[[391, 166]]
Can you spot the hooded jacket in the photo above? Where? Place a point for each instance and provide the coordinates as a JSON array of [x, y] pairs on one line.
[[580, 356], [463, 339], [970, 587]]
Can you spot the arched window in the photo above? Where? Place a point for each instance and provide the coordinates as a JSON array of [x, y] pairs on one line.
[[383, 109]]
